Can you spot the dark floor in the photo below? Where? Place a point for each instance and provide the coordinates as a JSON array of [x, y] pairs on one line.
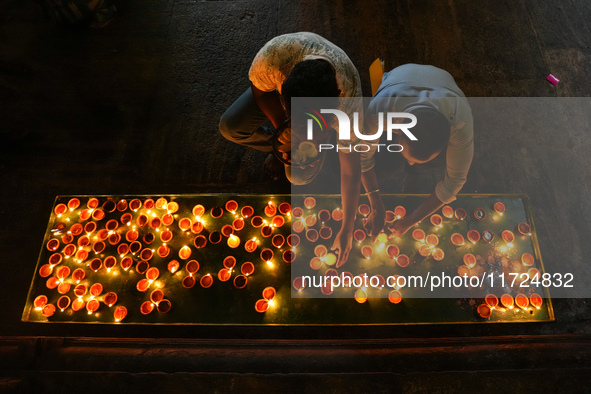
[[134, 108]]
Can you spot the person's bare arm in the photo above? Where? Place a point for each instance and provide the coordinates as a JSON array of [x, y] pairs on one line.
[[401, 226], [376, 220], [350, 188], [270, 104]]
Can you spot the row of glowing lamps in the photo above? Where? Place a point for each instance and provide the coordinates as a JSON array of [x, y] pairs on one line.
[[157, 296]]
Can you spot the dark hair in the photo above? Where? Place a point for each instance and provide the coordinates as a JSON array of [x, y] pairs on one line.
[[432, 131], [310, 78]]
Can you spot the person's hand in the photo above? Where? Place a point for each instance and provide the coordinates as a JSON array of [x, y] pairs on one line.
[[374, 224], [401, 226], [342, 246]]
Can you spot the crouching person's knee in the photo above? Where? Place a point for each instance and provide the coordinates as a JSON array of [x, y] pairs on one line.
[[226, 128]]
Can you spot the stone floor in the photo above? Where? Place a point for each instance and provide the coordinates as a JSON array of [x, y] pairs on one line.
[[134, 108]]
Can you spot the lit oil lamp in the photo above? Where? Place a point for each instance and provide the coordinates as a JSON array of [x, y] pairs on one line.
[[277, 221], [256, 221], [298, 226], [284, 208], [77, 229], [508, 237], [359, 235], [473, 236], [297, 212], [48, 310], [95, 264], [167, 219], [361, 296], [197, 227], [261, 306], [315, 263], [206, 281], [164, 250], [52, 282], [126, 263], [367, 251], [40, 302], [73, 204], [155, 222], [142, 220], [364, 210], [147, 307], [266, 231], [270, 209], [231, 206], [325, 232], [238, 224], [484, 311], [418, 235], [390, 216], [457, 239], [92, 306], [78, 304], [278, 240], [536, 300], [269, 293], [320, 250], [432, 240], [78, 274], [438, 254], [507, 301], [289, 256], [400, 212], [436, 220], [55, 259], [491, 300], [527, 259], [533, 274], [135, 204], [521, 301], [447, 211], [395, 297], [120, 313], [110, 299], [298, 284], [224, 274], [463, 271], [247, 268], [310, 220], [114, 238], [83, 241], [250, 245], [126, 219], [524, 228], [337, 215], [192, 267], [198, 210], [312, 235], [80, 290], [461, 214], [188, 281], [330, 259], [310, 202], [293, 240], [233, 241], [393, 251], [45, 270], [152, 273], [229, 262], [135, 247], [469, 260], [185, 224], [98, 214], [89, 227], [403, 260], [425, 250], [499, 208], [109, 262], [60, 209], [92, 203]]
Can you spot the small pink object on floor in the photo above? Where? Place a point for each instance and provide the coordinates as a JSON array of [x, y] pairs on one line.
[[553, 80]]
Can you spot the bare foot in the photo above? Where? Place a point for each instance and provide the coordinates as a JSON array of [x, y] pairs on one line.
[[273, 167]]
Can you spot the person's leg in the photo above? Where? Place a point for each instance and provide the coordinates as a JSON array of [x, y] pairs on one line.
[[303, 176], [242, 121]]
